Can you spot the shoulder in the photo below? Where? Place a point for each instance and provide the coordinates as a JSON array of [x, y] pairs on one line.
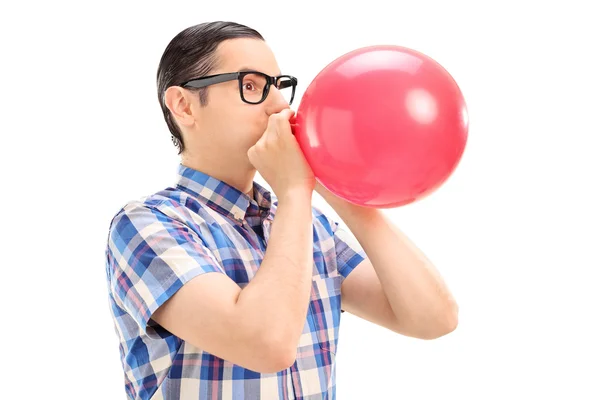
[[166, 206], [145, 205]]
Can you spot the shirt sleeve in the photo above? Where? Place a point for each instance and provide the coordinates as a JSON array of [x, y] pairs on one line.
[[150, 257], [348, 252]]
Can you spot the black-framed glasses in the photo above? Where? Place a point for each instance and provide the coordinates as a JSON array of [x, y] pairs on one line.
[[254, 85]]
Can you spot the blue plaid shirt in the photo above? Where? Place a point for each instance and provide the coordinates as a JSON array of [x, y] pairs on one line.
[[159, 243]]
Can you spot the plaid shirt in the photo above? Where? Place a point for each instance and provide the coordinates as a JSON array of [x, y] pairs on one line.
[[160, 242]]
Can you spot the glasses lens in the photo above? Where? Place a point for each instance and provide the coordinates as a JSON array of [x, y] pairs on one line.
[[286, 88], [253, 86]]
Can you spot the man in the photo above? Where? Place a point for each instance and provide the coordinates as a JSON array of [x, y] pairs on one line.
[[220, 289]]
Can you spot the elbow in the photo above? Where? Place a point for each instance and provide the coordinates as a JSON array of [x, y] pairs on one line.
[[268, 348], [430, 328], [283, 352], [452, 318], [277, 355], [445, 329], [284, 359], [446, 325]]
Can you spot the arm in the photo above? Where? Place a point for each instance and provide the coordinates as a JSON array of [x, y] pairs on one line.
[[257, 327], [397, 287]]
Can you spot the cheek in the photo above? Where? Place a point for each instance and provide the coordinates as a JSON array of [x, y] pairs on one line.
[[242, 126], [243, 123], [261, 121], [253, 120]]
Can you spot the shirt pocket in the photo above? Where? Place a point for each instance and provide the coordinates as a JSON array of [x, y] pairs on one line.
[[325, 311]]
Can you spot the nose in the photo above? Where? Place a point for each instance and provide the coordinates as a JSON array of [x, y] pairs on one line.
[[275, 101]]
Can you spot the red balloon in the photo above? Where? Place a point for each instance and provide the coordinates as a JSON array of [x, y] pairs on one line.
[[382, 126]]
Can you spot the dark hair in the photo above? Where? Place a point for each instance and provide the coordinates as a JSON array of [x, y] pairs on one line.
[[191, 54]]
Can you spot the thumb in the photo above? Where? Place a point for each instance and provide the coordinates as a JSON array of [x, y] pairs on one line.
[[289, 114]]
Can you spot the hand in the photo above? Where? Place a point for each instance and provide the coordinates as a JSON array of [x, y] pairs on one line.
[[279, 158]]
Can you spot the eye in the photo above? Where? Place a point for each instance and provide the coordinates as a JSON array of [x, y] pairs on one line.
[[250, 86], [253, 83]]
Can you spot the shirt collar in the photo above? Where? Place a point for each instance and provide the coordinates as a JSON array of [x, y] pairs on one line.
[[224, 198]]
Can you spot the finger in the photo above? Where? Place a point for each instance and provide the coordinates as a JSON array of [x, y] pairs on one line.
[[272, 125], [288, 113], [283, 122]]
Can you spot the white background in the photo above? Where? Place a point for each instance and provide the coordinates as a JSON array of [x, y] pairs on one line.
[[514, 231]]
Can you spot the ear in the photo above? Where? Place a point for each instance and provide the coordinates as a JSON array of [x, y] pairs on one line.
[[179, 102]]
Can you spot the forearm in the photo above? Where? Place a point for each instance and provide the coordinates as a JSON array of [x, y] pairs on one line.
[[276, 299], [415, 290]]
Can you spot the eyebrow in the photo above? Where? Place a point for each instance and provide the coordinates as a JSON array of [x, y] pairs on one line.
[[245, 69]]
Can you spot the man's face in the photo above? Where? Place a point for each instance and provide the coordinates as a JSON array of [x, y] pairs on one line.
[[231, 125]]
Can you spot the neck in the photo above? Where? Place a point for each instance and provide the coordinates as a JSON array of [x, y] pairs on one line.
[[223, 169]]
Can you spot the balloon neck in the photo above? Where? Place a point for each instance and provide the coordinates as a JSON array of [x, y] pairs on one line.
[[293, 124]]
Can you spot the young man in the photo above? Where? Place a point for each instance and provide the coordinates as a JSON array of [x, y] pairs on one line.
[[220, 289]]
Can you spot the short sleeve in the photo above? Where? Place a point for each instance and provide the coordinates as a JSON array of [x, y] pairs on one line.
[[150, 257], [348, 251]]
